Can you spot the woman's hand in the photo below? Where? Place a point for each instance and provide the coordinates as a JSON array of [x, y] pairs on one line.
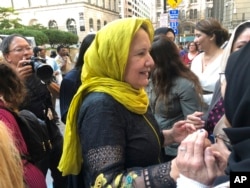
[[196, 119], [197, 160], [178, 132]]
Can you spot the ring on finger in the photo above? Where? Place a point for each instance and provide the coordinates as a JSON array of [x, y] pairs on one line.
[[183, 149]]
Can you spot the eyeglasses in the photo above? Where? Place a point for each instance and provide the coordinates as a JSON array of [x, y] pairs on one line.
[[21, 49], [222, 77], [224, 139]]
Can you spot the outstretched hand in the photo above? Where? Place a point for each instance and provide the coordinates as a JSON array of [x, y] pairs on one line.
[[178, 132], [181, 129], [196, 119]]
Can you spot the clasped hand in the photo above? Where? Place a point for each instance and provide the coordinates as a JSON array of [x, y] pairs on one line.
[[199, 161]]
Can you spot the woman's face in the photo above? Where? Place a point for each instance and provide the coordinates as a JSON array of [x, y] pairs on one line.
[[139, 62], [192, 47], [202, 40], [170, 35], [19, 49], [242, 40]]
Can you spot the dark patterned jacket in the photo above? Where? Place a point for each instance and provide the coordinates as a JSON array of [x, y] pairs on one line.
[[120, 147]]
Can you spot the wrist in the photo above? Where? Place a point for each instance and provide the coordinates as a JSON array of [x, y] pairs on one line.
[[184, 181], [168, 137]]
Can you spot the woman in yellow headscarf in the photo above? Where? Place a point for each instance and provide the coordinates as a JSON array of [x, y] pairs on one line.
[[110, 133]]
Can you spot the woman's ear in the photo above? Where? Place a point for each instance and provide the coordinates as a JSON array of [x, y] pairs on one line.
[[213, 37]]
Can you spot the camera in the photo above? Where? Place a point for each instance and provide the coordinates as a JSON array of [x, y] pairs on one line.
[[42, 70]]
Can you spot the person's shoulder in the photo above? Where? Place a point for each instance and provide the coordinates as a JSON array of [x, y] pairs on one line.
[[198, 57], [7, 116], [181, 81], [100, 98], [100, 102], [72, 74]]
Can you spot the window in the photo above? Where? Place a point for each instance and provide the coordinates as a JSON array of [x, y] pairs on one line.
[[209, 12], [53, 24], [81, 21], [98, 25], [195, 14], [91, 24], [191, 14], [114, 5], [71, 25], [158, 3], [105, 23]]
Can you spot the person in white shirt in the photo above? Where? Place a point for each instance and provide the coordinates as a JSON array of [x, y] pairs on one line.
[[209, 36], [63, 59]]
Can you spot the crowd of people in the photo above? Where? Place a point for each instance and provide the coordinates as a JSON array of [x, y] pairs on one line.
[[138, 111]]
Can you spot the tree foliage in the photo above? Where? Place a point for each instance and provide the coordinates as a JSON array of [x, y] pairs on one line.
[[9, 24], [9, 19]]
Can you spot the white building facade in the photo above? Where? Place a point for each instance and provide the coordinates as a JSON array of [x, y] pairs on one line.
[[77, 16]]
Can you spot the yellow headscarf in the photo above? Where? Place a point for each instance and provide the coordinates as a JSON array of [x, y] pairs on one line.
[[103, 71]]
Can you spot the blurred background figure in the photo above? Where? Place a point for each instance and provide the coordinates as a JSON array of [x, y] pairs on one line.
[[63, 59], [57, 75], [169, 32], [51, 61], [53, 54], [209, 36], [193, 51], [181, 50]]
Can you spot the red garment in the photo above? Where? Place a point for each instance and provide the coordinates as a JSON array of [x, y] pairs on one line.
[[186, 60], [33, 177]]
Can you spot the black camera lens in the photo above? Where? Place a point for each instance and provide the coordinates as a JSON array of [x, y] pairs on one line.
[[42, 70]]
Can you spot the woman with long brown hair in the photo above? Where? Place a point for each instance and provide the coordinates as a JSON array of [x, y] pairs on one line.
[[175, 90]]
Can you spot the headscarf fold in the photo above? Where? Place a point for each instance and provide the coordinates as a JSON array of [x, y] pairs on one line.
[[237, 108], [228, 49], [103, 71]]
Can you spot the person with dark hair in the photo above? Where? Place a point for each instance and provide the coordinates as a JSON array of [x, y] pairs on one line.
[[72, 80], [18, 52], [36, 51], [169, 32], [12, 94], [53, 54], [111, 134], [209, 36], [63, 59], [174, 91]]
